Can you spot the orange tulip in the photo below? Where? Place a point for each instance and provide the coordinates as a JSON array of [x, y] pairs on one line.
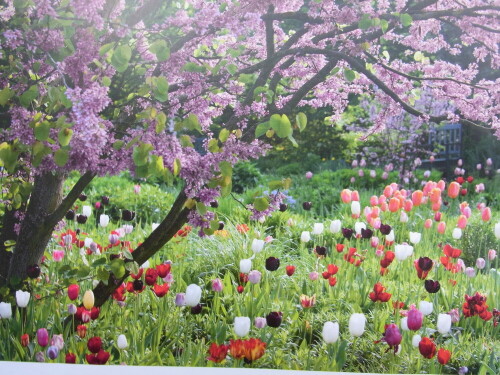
[[394, 204], [388, 191], [453, 189], [435, 195], [441, 227], [416, 197], [462, 222], [408, 205], [345, 195]]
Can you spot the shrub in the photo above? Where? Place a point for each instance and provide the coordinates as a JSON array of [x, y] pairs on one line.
[[245, 175]]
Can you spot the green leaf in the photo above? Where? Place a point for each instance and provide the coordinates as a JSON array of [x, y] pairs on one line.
[[224, 135], [42, 131], [261, 204], [61, 157], [106, 81], [405, 19], [64, 136], [349, 75], [102, 275], [365, 22], [28, 96], [105, 48], [161, 120], [301, 119], [201, 208], [232, 69], [118, 145], [186, 141], [121, 57], [177, 167], [118, 268], [226, 169], [281, 125], [294, 142], [140, 154], [156, 167], [384, 25], [39, 152], [193, 67], [5, 95], [262, 128], [160, 49], [192, 122], [160, 88], [213, 145]]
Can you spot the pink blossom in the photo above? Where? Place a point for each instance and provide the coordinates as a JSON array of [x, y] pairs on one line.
[[58, 255]]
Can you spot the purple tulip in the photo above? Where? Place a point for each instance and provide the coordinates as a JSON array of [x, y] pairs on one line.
[[260, 322], [254, 276], [392, 336], [42, 337], [52, 352], [217, 285], [415, 318], [179, 299]]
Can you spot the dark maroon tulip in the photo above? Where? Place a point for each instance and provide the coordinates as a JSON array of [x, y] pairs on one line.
[[320, 250], [81, 219], [366, 233], [70, 215], [94, 344], [82, 197], [221, 225], [425, 263], [196, 309], [105, 200], [347, 232], [274, 319], [432, 286], [272, 264], [283, 207], [128, 215], [214, 204], [33, 271], [307, 205], [385, 229], [138, 285]]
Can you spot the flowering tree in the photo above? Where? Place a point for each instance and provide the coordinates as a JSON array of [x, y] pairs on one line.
[[100, 86]]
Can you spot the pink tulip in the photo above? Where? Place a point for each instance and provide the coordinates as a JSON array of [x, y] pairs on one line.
[[309, 175], [437, 216], [355, 196], [345, 195], [42, 337], [486, 214], [467, 212], [313, 276], [415, 319], [416, 197], [492, 254], [408, 205], [57, 255], [373, 200], [453, 189], [441, 228], [441, 185], [428, 224], [462, 222], [388, 191], [489, 162]]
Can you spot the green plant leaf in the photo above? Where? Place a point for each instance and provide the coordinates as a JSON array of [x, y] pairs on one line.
[[301, 119], [61, 157], [121, 57], [406, 19], [349, 75], [261, 204], [281, 125]]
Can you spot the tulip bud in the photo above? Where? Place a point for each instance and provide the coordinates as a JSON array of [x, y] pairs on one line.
[[492, 254], [480, 263], [217, 285], [313, 276], [404, 324], [330, 332], [274, 319], [470, 272], [257, 245], [357, 324], [122, 342], [88, 299], [415, 319], [241, 325], [71, 309], [193, 295], [87, 210], [5, 310], [443, 323], [336, 226], [390, 236], [180, 299], [22, 298], [245, 265], [309, 175], [441, 228], [403, 217], [57, 341]]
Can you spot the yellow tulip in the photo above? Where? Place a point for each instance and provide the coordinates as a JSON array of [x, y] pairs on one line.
[[88, 299]]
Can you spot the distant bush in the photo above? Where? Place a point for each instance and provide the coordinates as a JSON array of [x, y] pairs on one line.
[[245, 176]]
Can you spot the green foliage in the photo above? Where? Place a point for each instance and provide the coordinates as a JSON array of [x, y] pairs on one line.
[[245, 176]]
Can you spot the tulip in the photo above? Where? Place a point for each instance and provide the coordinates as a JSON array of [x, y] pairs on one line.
[[403, 217], [345, 195], [245, 265], [443, 323], [87, 210], [257, 245], [416, 340], [357, 324], [355, 208], [373, 173], [425, 307], [443, 356], [470, 272], [394, 204], [480, 263], [374, 241], [40, 357], [290, 270], [408, 205], [57, 341], [428, 224], [309, 175], [427, 348], [94, 344], [260, 322], [486, 214], [354, 163], [42, 337], [5, 310], [457, 233], [306, 206], [347, 232], [274, 319], [497, 231], [52, 352], [385, 175], [180, 299], [415, 237], [57, 255], [34, 271], [73, 291], [193, 295], [103, 220], [479, 166], [404, 324], [122, 342], [241, 325], [453, 189], [392, 336], [415, 319], [492, 254], [217, 285], [403, 251], [358, 226], [336, 226], [72, 309], [254, 277], [88, 299], [313, 276], [318, 228], [81, 330], [390, 236], [463, 370], [305, 236], [432, 286], [330, 332], [22, 298], [441, 228]]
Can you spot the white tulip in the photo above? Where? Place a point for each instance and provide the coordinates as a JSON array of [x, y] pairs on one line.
[[103, 220], [425, 307], [404, 324], [358, 226], [335, 226], [415, 237], [241, 325], [390, 236], [497, 230], [257, 245], [87, 210], [193, 295], [357, 324], [122, 342], [245, 265], [22, 298], [403, 217], [403, 251], [5, 310], [305, 236], [330, 332], [443, 323], [88, 241], [457, 233], [355, 208], [318, 228], [416, 340]]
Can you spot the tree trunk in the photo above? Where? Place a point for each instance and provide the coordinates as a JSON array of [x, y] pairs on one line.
[[34, 235], [7, 234]]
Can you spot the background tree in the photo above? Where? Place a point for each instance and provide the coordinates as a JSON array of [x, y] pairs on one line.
[[92, 86]]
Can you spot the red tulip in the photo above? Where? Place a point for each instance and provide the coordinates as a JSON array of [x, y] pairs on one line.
[[73, 291], [290, 270], [81, 330], [378, 293], [427, 348], [217, 353], [151, 276], [25, 340], [70, 358], [443, 356], [94, 344], [254, 349], [160, 290], [163, 270], [98, 359]]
